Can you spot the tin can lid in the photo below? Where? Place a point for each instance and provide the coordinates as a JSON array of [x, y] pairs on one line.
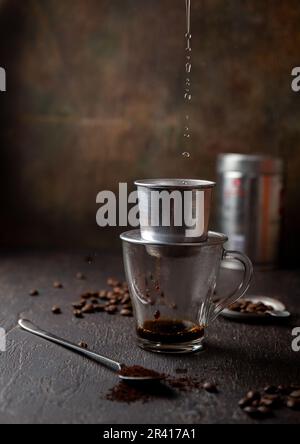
[[255, 164]]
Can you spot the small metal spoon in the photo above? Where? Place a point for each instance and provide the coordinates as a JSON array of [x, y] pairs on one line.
[[112, 365], [279, 313]]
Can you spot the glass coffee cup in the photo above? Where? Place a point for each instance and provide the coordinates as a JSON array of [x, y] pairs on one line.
[[172, 288]]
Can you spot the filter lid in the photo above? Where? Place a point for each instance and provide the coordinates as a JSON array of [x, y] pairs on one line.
[[255, 164], [175, 184], [134, 237]]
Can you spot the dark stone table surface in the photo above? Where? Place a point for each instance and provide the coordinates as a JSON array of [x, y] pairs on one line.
[[43, 383]]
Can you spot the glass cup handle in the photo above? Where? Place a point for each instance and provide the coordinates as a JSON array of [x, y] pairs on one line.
[[243, 286]]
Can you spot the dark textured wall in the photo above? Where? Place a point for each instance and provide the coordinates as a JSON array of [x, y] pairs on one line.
[[95, 97]]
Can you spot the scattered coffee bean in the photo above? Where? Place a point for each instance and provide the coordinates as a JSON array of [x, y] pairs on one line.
[[80, 276], [125, 312], [89, 308], [102, 294], [274, 397], [57, 285], [210, 387], [111, 309], [77, 314], [266, 402], [293, 403], [271, 390], [78, 305], [56, 310], [94, 301], [99, 307], [86, 296], [112, 282], [83, 345], [253, 396], [125, 299], [244, 402], [34, 293]]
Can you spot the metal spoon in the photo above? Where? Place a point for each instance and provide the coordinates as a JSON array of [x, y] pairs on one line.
[[279, 313], [112, 365]]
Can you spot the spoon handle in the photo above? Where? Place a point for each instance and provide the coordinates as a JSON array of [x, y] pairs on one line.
[[31, 328]]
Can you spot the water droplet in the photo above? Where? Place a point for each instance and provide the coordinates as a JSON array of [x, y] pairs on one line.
[[186, 155], [187, 117], [186, 136], [188, 96]]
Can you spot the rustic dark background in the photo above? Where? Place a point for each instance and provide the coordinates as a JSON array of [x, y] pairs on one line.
[[95, 97]]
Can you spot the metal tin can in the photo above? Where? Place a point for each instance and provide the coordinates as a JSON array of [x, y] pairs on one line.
[[249, 205]]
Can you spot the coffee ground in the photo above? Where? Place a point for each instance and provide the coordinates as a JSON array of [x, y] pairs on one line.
[[138, 371], [124, 392], [129, 393]]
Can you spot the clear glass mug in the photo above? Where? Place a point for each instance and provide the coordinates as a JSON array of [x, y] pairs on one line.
[[172, 289]]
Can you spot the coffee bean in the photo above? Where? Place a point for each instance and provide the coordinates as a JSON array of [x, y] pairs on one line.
[[293, 403], [255, 403], [56, 310], [276, 400], [94, 301], [111, 309], [78, 305], [110, 295], [244, 402], [271, 390], [58, 285], [118, 290], [77, 314], [266, 402], [113, 301], [125, 312], [112, 282], [102, 294], [34, 293], [83, 345], [284, 389], [127, 307], [235, 307], [210, 387], [295, 394], [86, 295], [80, 276], [99, 307], [89, 308], [125, 299], [253, 396]]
